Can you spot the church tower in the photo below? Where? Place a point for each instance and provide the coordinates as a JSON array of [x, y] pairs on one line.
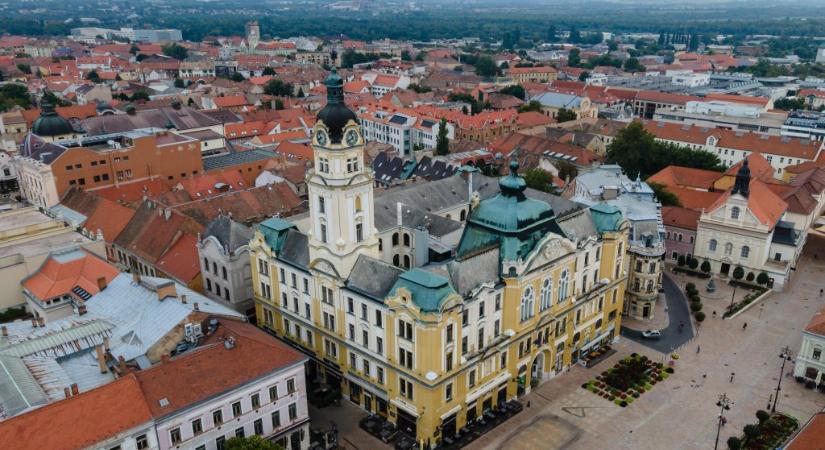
[[340, 188], [253, 35]]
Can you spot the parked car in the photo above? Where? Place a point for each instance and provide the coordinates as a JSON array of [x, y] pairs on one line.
[[651, 334]]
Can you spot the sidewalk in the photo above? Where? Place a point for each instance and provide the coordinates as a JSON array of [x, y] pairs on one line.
[[660, 319]]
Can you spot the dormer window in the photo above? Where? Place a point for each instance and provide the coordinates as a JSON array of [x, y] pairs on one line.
[[323, 165], [734, 212]]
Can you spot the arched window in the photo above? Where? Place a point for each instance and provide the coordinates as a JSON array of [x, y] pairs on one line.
[[563, 280], [396, 260], [728, 248], [546, 294], [358, 204], [406, 240], [638, 266], [395, 239], [734, 212], [527, 303], [636, 285], [406, 261], [712, 245], [649, 285], [745, 251], [463, 215], [380, 245]]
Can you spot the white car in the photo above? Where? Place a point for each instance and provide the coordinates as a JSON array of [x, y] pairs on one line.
[[651, 334]]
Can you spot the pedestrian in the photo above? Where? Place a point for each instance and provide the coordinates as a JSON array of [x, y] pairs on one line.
[[698, 348], [528, 403], [745, 326], [714, 314], [731, 376], [820, 292], [704, 375]]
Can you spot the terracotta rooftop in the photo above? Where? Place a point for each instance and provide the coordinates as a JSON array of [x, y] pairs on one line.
[[80, 421], [685, 218], [685, 177], [63, 273], [766, 205], [213, 368], [760, 167], [812, 435], [694, 199]]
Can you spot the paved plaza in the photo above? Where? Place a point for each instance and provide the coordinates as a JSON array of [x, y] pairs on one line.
[[680, 412]]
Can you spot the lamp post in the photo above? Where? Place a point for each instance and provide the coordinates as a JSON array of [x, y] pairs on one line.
[[732, 297], [786, 356], [723, 404]]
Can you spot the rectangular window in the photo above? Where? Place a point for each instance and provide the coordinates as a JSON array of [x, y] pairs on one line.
[[448, 362], [197, 427], [293, 411], [481, 309], [322, 206], [472, 378], [273, 393], [256, 401], [379, 345], [276, 420], [220, 442], [174, 436], [290, 386], [448, 392], [405, 330], [236, 409], [465, 318], [379, 373], [464, 345], [306, 286], [449, 333], [283, 276], [217, 417], [259, 426], [365, 338], [498, 302], [363, 312], [406, 388], [239, 432], [142, 442], [379, 319]]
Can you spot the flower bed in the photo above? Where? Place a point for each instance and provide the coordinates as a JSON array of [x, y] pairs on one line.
[[769, 433], [628, 379], [736, 307]]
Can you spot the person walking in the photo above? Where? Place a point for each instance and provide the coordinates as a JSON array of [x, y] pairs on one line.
[[732, 374], [745, 326], [698, 348]]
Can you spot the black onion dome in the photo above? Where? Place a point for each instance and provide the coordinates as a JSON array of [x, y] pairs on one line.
[[50, 123], [335, 115]]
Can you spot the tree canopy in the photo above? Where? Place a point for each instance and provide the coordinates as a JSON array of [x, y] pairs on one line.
[[539, 179], [666, 198], [442, 142], [278, 88], [251, 443], [176, 51], [515, 90], [638, 152], [14, 94], [565, 115]]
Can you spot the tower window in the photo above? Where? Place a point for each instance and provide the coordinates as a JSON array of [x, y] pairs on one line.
[[359, 232], [324, 233], [322, 206]]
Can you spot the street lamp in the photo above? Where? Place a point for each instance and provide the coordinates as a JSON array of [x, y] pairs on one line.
[[732, 297], [786, 356], [723, 404]]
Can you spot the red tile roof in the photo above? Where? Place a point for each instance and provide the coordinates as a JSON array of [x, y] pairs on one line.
[[80, 421], [685, 177], [535, 146], [693, 199], [539, 69], [230, 101], [181, 260], [55, 278], [759, 166], [665, 97], [751, 142], [532, 119], [744, 99], [766, 205], [817, 323], [812, 435], [214, 369], [294, 150], [67, 112], [685, 218]]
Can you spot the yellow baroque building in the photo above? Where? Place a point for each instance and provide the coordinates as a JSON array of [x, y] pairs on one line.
[[431, 343]]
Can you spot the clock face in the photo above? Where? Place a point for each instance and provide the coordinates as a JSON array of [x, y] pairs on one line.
[[321, 137], [352, 137]]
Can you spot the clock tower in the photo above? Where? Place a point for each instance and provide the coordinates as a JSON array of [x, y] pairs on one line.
[[340, 188]]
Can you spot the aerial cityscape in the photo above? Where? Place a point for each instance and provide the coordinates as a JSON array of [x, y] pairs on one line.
[[410, 225]]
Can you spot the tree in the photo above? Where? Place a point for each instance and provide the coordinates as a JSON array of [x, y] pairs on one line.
[[584, 76], [179, 83], [665, 197], [612, 45], [532, 105], [25, 68], [788, 104], [237, 77], [486, 67], [705, 266], [762, 279], [751, 431], [251, 443], [516, 91], [567, 171], [734, 443], [700, 316], [13, 94], [268, 71], [134, 49], [693, 263], [762, 416], [575, 36], [278, 88], [565, 115], [681, 261], [738, 273], [574, 58], [176, 51], [405, 55], [418, 88], [633, 65], [539, 179], [442, 142], [300, 93], [140, 95], [279, 104], [48, 96], [551, 34], [750, 277]]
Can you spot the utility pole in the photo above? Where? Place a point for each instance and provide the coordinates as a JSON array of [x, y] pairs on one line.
[[723, 404], [786, 356]]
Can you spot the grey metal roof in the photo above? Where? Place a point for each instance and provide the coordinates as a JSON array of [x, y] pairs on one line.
[[19, 390], [235, 158], [578, 226], [386, 217], [295, 249], [372, 277], [232, 235], [181, 119], [467, 274]]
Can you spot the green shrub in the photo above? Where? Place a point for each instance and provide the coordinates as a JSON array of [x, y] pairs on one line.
[[751, 431], [700, 316], [681, 261], [690, 287], [763, 416], [762, 278], [705, 266], [750, 277], [693, 263], [696, 306], [734, 443]]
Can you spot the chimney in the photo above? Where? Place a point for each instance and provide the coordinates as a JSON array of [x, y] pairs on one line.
[[5, 331], [75, 389], [196, 306], [101, 283], [166, 290], [183, 298], [101, 359], [81, 309], [135, 277], [67, 392]]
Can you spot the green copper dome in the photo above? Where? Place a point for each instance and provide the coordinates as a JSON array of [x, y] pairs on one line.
[[508, 220], [335, 115], [50, 123]]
